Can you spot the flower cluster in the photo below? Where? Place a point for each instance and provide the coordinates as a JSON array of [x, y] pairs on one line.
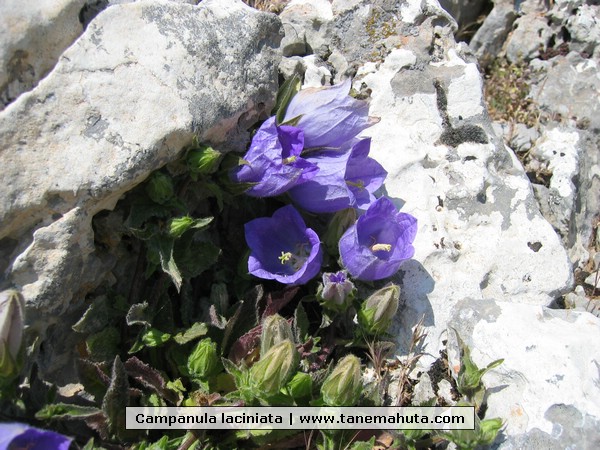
[[317, 158]]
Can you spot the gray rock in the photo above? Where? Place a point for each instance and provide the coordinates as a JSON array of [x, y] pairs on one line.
[[562, 89], [489, 39], [306, 27], [531, 34], [32, 37], [584, 29], [465, 12], [548, 387], [140, 83]]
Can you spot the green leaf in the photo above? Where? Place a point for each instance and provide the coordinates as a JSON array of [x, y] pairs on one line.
[[196, 331], [98, 315], [286, 92], [138, 314], [116, 399], [194, 257], [293, 121], [363, 445], [65, 411], [104, 345], [164, 246], [180, 225], [154, 338], [300, 324]]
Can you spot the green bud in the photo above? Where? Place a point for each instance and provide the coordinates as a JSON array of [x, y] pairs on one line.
[[488, 430], [204, 361], [203, 160], [300, 386], [344, 384], [340, 222], [180, 225], [274, 369], [160, 188], [377, 311], [12, 309], [275, 329]]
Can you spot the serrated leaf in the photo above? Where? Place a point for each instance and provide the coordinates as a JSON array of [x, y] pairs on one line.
[[300, 323], [286, 92], [65, 411], [164, 246], [92, 377], [98, 315], [117, 398], [144, 209], [150, 378], [138, 314], [196, 331]]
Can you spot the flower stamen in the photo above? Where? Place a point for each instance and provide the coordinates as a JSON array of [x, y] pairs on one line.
[[360, 184], [285, 257], [381, 247], [290, 160]]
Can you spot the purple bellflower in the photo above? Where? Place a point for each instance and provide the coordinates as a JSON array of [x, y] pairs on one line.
[[344, 180], [337, 291], [282, 248], [21, 436], [380, 240], [328, 116], [273, 161]]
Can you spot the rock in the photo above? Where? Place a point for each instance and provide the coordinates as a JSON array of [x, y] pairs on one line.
[[140, 83], [546, 390], [480, 230], [32, 37], [465, 12], [563, 88], [305, 24], [531, 34], [489, 39], [584, 29]]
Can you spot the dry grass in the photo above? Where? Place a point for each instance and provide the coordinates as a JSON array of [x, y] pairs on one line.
[[272, 6]]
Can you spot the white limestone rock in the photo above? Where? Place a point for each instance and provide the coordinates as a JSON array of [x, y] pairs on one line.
[[140, 83], [32, 37], [547, 390]]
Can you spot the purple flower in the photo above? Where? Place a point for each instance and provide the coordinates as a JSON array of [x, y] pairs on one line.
[[328, 116], [282, 248], [273, 162], [337, 291], [21, 436], [344, 180], [375, 246]]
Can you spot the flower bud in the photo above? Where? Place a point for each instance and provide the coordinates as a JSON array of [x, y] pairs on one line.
[[204, 361], [275, 329], [488, 430], [180, 225], [160, 188], [274, 369], [203, 160], [377, 312], [344, 384], [337, 291], [12, 308]]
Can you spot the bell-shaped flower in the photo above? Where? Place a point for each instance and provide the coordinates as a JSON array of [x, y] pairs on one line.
[[337, 291], [380, 240], [282, 248], [346, 179], [19, 435], [328, 116], [273, 163]]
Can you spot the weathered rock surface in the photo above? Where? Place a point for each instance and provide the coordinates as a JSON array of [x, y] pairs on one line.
[[121, 102], [489, 39], [481, 234], [548, 387], [32, 37]]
